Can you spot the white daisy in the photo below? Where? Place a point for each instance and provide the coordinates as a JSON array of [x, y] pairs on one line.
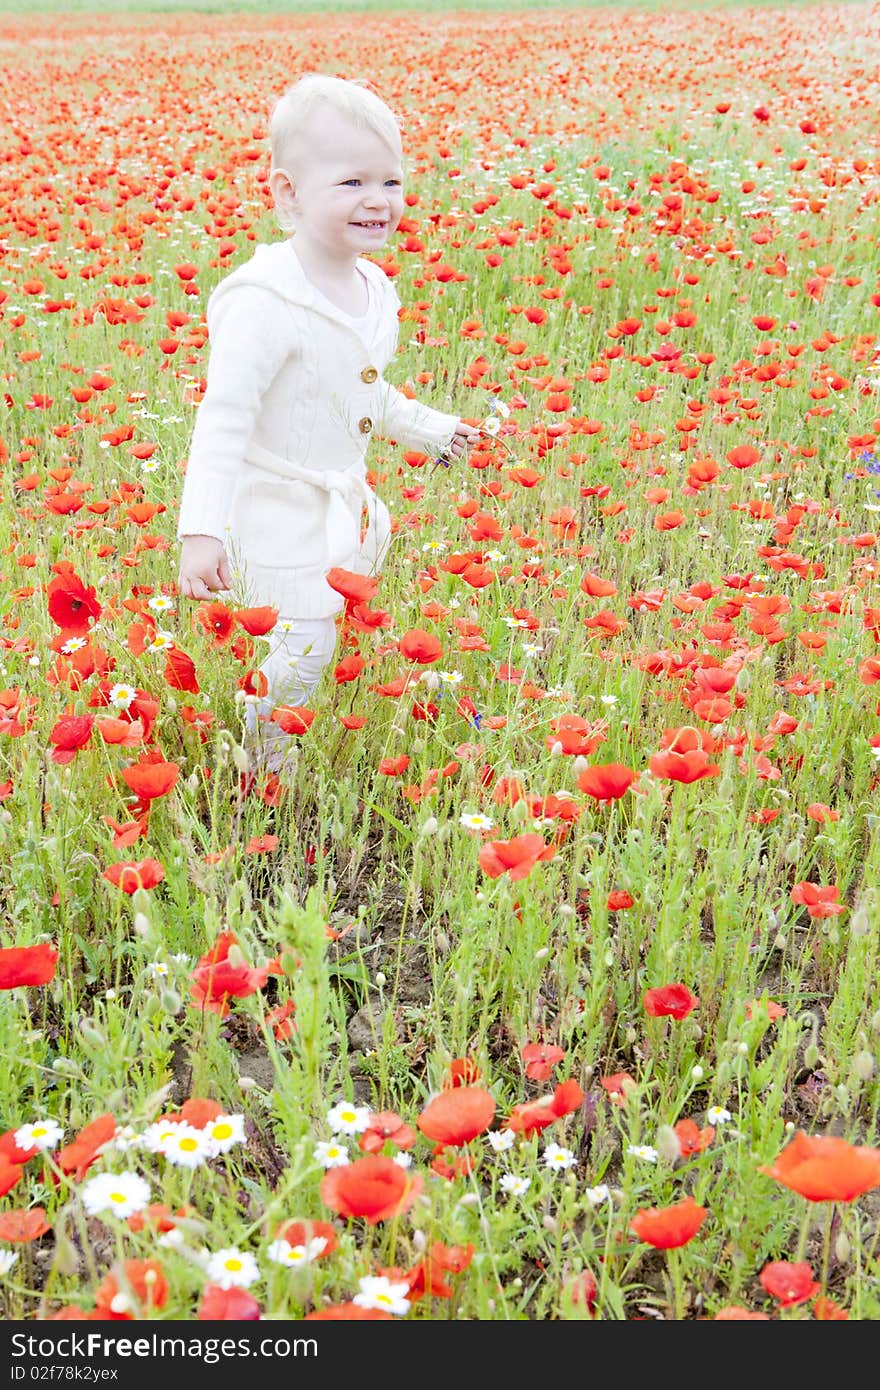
[[187, 1147], [73, 644], [161, 603], [42, 1134], [514, 1184], [232, 1269], [330, 1154], [162, 642], [476, 820], [558, 1159], [500, 1140], [224, 1132], [717, 1115], [643, 1151], [120, 1194], [346, 1118], [281, 1252], [450, 677], [121, 696], [597, 1195], [158, 1134], [378, 1291]]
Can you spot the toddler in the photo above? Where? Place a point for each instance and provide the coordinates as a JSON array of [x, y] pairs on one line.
[[300, 336]]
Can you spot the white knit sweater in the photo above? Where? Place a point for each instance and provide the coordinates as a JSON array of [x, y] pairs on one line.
[[276, 465]]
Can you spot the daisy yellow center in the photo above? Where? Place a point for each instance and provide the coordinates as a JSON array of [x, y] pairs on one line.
[[38, 1132], [348, 1116], [295, 1256], [222, 1131], [382, 1298], [233, 1265], [188, 1144], [117, 1196]]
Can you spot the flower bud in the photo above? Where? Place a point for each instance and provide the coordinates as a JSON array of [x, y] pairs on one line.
[[863, 1065], [92, 1035], [667, 1144], [141, 924], [860, 921], [842, 1248], [170, 1001]]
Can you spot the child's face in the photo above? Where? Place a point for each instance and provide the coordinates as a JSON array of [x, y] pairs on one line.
[[347, 185]]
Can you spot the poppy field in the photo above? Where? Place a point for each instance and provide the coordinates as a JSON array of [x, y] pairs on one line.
[[540, 981]]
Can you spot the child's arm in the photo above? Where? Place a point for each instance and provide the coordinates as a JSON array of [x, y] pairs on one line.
[[248, 345], [419, 426]]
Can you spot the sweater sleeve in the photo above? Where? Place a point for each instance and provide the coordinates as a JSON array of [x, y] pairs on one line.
[[249, 334], [412, 424]]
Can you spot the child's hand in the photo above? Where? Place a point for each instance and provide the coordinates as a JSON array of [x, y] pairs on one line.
[[204, 567], [464, 437]]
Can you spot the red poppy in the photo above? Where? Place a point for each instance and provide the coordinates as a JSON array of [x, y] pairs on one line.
[[145, 873], [826, 1310], [516, 857], [584, 1291], [23, 1225], [27, 965], [734, 1312], [349, 1312], [669, 1001], [540, 1059], [354, 588], [150, 777], [462, 1071], [78, 1156], [823, 1168], [293, 719], [456, 1117], [302, 1232], [217, 620], [386, 1127], [71, 604], [683, 767], [619, 900], [222, 974], [692, 1139], [535, 1115], [227, 1305], [668, 1228], [10, 1174], [791, 1284], [374, 1188], [420, 647], [819, 900], [607, 781], [618, 1086], [70, 733], [148, 1289], [256, 621]]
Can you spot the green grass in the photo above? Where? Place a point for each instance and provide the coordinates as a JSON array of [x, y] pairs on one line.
[[398, 959]]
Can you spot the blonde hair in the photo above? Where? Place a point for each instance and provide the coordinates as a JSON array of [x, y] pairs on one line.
[[351, 97]]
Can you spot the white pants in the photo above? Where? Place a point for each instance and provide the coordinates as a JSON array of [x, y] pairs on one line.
[[294, 665]]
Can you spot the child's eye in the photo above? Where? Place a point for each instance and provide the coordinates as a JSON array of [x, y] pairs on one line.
[[347, 181]]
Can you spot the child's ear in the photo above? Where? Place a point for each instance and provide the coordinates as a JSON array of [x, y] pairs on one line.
[[283, 189]]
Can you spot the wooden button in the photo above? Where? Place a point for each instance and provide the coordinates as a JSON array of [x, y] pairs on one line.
[[365, 425], [369, 374]]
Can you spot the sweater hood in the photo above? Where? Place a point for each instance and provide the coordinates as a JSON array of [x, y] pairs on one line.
[[275, 266]]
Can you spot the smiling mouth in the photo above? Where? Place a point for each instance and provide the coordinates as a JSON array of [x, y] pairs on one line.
[[373, 226]]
